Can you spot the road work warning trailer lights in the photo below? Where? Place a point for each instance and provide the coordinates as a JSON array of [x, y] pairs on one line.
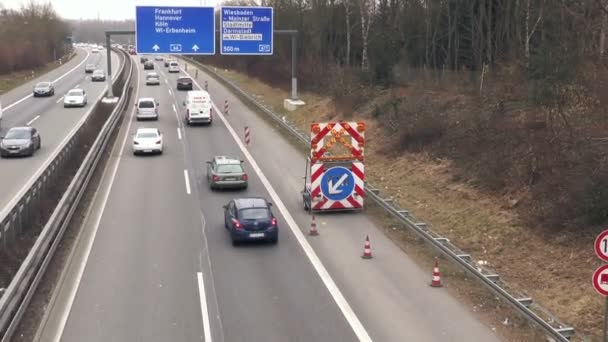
[[335, 170]]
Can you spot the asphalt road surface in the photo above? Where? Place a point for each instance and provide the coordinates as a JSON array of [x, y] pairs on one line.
[[48, 116], [154, 262]]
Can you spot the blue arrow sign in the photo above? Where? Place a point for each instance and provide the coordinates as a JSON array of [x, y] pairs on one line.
[[246, 31], [175, 30], [337, 183]]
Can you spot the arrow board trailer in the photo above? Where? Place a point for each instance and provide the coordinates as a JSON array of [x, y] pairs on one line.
[[335, 171]]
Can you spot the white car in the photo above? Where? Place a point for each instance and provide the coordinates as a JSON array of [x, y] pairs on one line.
[[75, 98], [148, 140], [173, 66], [152, 78], [95, 50]]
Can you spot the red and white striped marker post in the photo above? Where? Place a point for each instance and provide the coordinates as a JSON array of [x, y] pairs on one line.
[[226, 107], [247, 136], [206, 86]]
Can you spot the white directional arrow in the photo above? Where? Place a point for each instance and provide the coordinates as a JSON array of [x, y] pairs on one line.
[[333, 188], [195, 47], [155, 47]]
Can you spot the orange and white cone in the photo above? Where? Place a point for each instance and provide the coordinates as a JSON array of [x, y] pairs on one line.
[[367, 249], [313, 228], [436, 281]]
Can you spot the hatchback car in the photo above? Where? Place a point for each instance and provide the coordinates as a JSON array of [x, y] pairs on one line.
[[148, 140], [149, 65], [152, 78], [44, 89], [75, 98], [20, 141], [224, 172], [147, 108], [95, 50], [250, 219], [98, 76], [184, 83], [173, 67], [168, 61], [89, 68]]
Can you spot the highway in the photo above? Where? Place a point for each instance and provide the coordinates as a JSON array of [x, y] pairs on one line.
[[155, 263], [47, 115]]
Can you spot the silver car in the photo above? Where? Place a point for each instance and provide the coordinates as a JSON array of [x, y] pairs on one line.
[[152, 78], [147, 108], [44, 89], [20, 141], [225, 172], [75, 98], [98, 75]]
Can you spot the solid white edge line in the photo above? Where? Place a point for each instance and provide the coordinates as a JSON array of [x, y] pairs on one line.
[[59, 99], [179, 134], [54, 81], [89, 244], [204, 309], [32, 121], [187, 179], [328, 281]]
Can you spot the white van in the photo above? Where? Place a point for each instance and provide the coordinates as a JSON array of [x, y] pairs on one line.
[[173, 66], [198, 107]]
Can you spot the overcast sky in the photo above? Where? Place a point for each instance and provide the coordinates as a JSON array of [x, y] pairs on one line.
[[105, 9]]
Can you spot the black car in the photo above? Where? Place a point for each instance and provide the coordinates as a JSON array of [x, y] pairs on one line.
[[143, 60], [20, 141], [148, 65], [167, 61], [184, 83], [250, 219]]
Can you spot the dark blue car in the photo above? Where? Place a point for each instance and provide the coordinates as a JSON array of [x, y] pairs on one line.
[[250, 219]]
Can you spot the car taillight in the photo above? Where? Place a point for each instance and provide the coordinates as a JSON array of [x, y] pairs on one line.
[[237, 224], [158, 142], [215, 178], [245, 177], [187, 111], [135, 143], [274, 221]]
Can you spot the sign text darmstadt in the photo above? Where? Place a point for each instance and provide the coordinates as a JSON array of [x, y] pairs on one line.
[[175, 30]]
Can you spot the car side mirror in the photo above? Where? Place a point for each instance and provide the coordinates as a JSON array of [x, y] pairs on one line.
[[242, 161], [225, 206], [184, 103], [208, 162], [269, 204]]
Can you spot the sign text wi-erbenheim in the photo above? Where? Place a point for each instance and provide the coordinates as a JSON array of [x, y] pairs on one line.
[[238, 25], [167, 20]]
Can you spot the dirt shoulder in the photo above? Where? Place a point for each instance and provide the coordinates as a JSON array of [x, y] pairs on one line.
[[554, 269], [13, 80]]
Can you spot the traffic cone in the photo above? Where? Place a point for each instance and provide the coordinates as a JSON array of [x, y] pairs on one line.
[[367, 249], [436, 281], [313, 228]]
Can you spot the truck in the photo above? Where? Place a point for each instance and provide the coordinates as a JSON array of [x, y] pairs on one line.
[[334, 175]]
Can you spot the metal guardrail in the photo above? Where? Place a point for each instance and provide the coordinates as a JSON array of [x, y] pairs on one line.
[[522, 303], [23, 285]]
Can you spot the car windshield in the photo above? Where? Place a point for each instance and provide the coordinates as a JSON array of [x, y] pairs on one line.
[[184, 79], [18, 134], [254, 214], [43, 84], [229, 168], [152, 76], [147, 135], [146, 104], [75, 93]]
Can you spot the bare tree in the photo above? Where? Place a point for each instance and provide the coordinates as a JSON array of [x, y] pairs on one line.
[[530, 32], [348, 30], [367, 9]]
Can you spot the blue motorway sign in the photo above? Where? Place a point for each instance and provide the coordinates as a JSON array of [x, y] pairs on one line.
[[175, 30], [246, 31], [337, 183]]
